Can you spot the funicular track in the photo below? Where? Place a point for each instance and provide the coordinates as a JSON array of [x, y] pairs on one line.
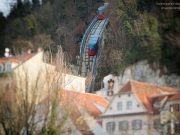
[[88, 64]]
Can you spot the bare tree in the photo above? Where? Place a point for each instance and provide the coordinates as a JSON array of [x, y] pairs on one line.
[[29, 104]]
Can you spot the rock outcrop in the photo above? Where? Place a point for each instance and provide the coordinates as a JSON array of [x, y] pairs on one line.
[[143, 71]]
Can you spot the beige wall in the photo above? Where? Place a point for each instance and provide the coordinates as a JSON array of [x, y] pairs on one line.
[[32, 76], [35, 74]]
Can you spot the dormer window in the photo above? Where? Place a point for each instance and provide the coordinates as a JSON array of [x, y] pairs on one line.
[[157, 105]]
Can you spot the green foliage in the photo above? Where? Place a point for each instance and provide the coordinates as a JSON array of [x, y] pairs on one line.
[[28, 20], [31, 24], [152, 34], [149, 37], [133, 55], [128, 27], [3, 22]]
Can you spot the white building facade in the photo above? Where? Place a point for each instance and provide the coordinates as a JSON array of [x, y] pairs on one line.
[[127, 116], [131, 111]]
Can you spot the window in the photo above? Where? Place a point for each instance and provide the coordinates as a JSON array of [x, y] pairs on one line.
[[110, 127], [157, 124], [136, 124], [119, 106], [8, 67], [123, 125], [129, 105], [177, 127], [1, 68], [175, 107]]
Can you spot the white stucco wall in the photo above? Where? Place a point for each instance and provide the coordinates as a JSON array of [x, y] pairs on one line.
[[35, 71], [74, 83], [147, 125], [138, 112], [124, 98]]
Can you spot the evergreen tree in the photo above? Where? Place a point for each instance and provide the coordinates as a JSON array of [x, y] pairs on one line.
[[36, 3], [3, 22], [21, 9]]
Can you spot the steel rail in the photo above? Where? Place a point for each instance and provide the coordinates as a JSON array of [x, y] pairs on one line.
[[84, 41], [94, 64]]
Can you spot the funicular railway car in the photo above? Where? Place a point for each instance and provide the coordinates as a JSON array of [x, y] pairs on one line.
[[101, 11], [94, 38], [93, 45]]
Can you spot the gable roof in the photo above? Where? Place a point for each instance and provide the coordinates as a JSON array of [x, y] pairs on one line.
[[143, 91], [17, 59], [77, 103], [175, 97], [87, 101]]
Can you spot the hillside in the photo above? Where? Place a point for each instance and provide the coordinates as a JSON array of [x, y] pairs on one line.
[[141, 30], [138, 30], [55, 22]]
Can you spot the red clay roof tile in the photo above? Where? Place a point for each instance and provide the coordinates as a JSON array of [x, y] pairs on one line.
[[144, 91], [175, 97], [16, 59], [87, 101], [76, 103]]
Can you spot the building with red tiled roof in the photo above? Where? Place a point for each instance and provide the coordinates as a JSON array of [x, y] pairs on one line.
[[143, 91], [30, 69], [83, 109], [7, 64], [131, 110]]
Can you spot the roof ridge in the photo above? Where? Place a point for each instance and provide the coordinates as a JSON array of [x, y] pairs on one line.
[[91, 94], [131, 85], [151, 84]]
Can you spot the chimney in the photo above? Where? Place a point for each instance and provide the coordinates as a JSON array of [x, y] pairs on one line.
[[39, 49], [29, 51], [6, 54]]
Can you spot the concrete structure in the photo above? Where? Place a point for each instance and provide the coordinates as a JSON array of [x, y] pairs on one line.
[[131, 111]]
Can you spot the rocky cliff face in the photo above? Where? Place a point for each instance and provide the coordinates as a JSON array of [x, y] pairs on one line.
[[142, 71]]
